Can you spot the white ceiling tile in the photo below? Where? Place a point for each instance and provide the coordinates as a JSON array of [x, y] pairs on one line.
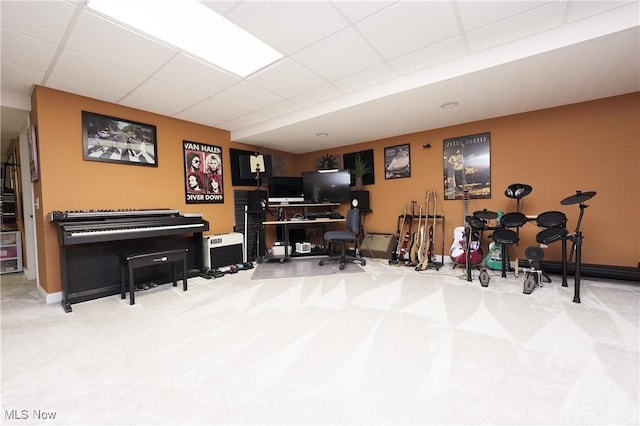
[[19, 77], [340, 55], [196, 76], [476, 14], [429, 56], [171, 97], [582, 9], [222, 7], [287, 78], [366, 78], [123, 47], [268, 113], [95, 73], [527, 24], [213, 111], [144, 104], [409, 26], [44, 20], [288, 26], [26, 51], [250, 119], [279, 109], [249, 96], [357, 10], [90, 90], [318, 95]]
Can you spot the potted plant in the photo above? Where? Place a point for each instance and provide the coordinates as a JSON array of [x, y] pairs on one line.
[[360, 168]]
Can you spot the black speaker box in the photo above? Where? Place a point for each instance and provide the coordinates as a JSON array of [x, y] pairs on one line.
[[256, 200], [363, 199], [378, 245]]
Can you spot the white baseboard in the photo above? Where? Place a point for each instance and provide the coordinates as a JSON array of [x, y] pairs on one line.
[[49, 298]]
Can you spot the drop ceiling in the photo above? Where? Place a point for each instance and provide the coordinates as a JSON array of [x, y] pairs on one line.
[[355, 70]]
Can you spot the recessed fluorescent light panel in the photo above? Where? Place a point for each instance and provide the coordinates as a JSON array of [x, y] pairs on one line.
[[194, 28]]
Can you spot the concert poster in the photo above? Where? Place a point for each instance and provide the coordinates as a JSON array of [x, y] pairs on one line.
[[467, 167], [202, 173]]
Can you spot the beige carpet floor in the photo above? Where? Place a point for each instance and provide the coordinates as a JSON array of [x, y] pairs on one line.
[[302, 267], [390, 346]]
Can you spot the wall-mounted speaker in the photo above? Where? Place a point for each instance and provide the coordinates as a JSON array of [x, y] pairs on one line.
[[363, 199]]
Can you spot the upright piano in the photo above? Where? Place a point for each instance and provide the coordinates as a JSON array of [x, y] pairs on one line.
[[90, 242]]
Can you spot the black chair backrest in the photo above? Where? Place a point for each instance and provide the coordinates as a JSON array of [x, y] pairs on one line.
[[353, 221]]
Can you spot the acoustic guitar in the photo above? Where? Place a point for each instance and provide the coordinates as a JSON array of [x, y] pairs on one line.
[[406, 235], [422, 250], [493, 260]]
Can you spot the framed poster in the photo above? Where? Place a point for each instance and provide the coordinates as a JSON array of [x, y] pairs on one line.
[[202, 173], [397, 161], [116, 140], [467, 167], [349, 159], [33, 153]]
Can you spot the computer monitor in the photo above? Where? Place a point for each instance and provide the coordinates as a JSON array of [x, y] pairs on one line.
[[327, 187], [286, 189]]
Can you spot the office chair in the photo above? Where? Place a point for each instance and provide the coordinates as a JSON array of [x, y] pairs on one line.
[[342, 238]]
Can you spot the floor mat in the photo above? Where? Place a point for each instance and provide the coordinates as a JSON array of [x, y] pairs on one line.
[[301, 268]]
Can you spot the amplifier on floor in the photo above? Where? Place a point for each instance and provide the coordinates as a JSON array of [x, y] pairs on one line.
[[223, 250], [378, 245]]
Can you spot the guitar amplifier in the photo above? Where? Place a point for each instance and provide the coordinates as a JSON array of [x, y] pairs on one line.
[[378, 245], [223, 250]]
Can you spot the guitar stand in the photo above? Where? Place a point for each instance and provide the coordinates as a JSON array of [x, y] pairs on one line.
[[484, 275]]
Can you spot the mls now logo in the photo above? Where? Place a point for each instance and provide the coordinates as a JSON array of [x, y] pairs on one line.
[[27, 414]]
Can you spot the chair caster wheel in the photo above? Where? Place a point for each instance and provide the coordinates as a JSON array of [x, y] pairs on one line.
[[341, 267], [321, 263]]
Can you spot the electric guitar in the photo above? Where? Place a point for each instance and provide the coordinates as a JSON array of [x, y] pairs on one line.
[[396, 251], [458, 250], [406, 237], [395, 257], [415, 243], [432, 230], [493, 260]]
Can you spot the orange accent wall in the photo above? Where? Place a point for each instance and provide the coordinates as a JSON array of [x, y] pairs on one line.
[[70, 183], [590, 146]]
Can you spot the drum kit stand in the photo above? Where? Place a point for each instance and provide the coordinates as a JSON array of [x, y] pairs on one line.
[[554, 229], [576, 238]]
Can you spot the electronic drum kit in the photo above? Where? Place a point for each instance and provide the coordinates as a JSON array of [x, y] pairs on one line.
[[553, 226]]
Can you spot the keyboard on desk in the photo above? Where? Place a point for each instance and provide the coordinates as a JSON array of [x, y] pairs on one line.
[[324, 215]]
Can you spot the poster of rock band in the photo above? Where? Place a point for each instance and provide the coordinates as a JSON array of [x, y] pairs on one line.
[[202, 173], [467, 167]]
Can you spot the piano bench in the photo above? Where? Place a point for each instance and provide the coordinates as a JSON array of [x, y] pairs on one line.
[[129, 262]]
